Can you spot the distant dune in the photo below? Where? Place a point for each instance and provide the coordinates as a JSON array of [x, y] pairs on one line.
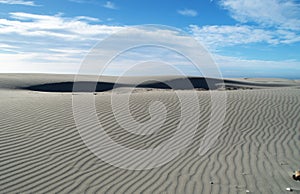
[[41, 151], [64, 83]]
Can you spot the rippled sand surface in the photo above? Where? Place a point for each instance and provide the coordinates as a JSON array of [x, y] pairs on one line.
[[41, 150]]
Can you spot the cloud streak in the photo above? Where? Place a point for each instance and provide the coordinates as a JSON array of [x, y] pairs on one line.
[[226, 35], [77, 28], [110, 5], [18, 2], [188, 12], [276, 13]]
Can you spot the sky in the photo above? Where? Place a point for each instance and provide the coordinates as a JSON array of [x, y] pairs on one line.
[[257, 38]]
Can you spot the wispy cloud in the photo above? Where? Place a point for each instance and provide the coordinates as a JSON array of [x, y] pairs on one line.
[[18, 2], [48, 43], [54, 43], [270, 21], [7, 46], [188, 12], [277, 13], [27, 24], [87, 18], [221, 36], [110, 5]]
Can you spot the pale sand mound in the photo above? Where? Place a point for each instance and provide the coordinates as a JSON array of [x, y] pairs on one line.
[[41, 150]]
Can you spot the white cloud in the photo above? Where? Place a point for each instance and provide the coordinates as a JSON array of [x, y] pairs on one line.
[[58, 44], [91, 19], [68, 51], [277, 13], [277, 22], [7, 46], [27, 24], [54, 43], [220, 36], [188, 12], [110, 5], [18, 2], [48, 43]]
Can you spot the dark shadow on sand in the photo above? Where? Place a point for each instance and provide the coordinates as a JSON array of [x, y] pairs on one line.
[[176, 84], [179, 84]]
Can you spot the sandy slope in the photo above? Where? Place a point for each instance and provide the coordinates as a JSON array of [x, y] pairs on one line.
[[41, 150]]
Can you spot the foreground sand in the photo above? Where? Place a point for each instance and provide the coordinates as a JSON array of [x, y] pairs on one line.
[[41, 150]]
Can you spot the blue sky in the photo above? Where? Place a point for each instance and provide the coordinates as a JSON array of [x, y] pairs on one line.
[[247, 38]]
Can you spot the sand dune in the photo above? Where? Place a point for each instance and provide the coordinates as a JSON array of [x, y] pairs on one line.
[[162, 83], [41, 151]]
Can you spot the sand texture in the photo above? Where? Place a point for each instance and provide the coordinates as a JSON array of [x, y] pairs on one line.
[[41, 150]]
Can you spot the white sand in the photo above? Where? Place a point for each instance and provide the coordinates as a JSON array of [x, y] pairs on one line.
[[41, 150]]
